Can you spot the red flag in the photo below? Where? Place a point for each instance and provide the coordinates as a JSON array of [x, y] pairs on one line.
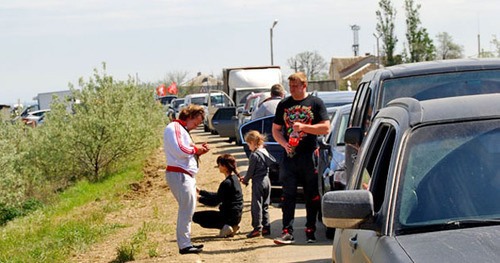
[[160, 91], [172, 89]]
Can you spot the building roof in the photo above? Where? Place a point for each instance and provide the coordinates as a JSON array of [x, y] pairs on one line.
[[202, 80]]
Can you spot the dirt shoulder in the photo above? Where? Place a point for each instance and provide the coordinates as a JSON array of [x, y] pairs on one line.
[[150, 211]]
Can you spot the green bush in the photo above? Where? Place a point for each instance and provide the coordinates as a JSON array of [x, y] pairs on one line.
[[113, 123], [14, 145]]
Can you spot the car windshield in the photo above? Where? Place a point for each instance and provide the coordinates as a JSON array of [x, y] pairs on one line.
[[435, 86], [198, 100], [241, 96], [450, 173], [176, 103], [335, 99]]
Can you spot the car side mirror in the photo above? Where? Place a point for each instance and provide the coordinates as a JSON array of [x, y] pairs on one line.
[[322, 142], [347, 209], [353, 136]]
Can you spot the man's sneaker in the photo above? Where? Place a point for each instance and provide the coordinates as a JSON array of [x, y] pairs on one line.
[[285, 238], [226, 231], [310, 235], [191, 249], [266, 231], [253, 233]]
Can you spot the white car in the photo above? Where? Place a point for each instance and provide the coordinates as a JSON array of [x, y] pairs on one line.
[[35, 115]]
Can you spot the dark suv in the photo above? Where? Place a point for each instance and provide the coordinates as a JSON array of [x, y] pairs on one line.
[[424, 186], [422, 81]]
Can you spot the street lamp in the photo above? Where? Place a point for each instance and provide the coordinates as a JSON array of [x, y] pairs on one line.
[[378, 58], [271, 30]]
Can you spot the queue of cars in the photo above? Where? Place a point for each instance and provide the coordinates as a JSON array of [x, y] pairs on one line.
[[417, 152]]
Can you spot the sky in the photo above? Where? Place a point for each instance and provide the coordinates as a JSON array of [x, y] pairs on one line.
[[47, 44]]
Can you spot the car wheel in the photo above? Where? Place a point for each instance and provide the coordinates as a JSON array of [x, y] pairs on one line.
[[330, 232], [238, 141]]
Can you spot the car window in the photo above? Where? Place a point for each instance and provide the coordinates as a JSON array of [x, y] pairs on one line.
[[361, 108], [264, 126], [332, 126], [198, 100], [375, 166], [342, 128], [356, 102], [224, 113], [450, 172], [443, 85]]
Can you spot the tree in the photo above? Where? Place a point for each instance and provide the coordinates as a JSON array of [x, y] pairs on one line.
[[385, 28], [496, 42], [420, 46], [446, 48], [175, 76], [311, 63]]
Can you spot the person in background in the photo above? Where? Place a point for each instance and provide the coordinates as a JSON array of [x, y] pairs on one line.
[[298, 120], [229, 197], [268, 106], [258, 172], [182, 165]]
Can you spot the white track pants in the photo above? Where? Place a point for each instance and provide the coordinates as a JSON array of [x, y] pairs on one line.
[[183, 186]]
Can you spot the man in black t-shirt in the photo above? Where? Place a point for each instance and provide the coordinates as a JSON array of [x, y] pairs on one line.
[[298, 120]]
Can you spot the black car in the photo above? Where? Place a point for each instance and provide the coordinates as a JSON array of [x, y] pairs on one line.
[[422, 81], [425, 186]]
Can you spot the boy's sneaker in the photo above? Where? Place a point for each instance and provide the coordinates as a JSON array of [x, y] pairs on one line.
[[285, 238], [226, 231], [266, 231], [310, 235], [254, 233]]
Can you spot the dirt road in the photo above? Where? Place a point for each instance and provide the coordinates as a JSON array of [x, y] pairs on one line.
[[151, 209]]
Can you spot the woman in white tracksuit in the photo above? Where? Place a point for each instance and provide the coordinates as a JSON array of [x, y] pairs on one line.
[[182, 165]]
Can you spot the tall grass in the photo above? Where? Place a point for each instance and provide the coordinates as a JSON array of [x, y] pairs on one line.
[[71, 223]]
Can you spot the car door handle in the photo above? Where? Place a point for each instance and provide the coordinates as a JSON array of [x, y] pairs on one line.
[[215, 122], [353, 241]]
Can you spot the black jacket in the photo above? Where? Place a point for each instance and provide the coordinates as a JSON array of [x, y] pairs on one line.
[[229, 196]]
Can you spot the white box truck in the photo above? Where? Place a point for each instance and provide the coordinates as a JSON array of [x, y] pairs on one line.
[[238, 84]]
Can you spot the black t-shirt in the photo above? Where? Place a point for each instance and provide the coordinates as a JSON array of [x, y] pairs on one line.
[[310, 110]]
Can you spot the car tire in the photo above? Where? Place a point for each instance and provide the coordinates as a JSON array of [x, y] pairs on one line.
[[238, 141], [330, 232]]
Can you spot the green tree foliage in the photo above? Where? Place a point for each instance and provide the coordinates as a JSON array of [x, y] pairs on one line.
[[14, 146], [311, 63], [496, 43], [114, 122], [385, 28], [446, 48], [420, 46]]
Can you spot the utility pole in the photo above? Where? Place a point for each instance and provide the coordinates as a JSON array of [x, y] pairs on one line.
[[378, 56], [271, 30], [355, 45]]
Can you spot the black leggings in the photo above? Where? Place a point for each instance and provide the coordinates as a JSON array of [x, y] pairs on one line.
[[215, 219]]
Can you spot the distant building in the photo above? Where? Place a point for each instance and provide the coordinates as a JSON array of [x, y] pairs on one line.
[[44, 99], [351, 69], [203, 82]]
